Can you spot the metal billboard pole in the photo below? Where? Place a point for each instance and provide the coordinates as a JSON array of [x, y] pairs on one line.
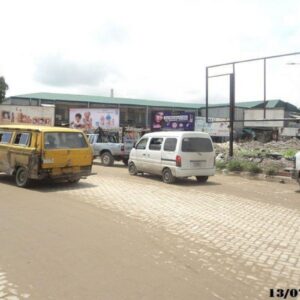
[[232, 90]]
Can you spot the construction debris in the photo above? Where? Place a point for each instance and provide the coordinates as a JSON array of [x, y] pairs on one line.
[[275, 154]]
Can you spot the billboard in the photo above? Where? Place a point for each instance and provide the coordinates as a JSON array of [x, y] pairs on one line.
[[88, 119], [213, 129], [36, 115], [166, 121]]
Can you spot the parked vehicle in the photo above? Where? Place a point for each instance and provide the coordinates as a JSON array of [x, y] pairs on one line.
[[174, 155], [108, 149], [296, 169], [39, 152]]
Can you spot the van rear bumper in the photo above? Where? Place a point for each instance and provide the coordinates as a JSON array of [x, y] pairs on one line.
[[66, 173], [178, 172]]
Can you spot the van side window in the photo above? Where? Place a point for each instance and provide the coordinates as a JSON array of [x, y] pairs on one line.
[[22, 139], [5, 137], [196, 145], [155, 144], [170, 144], [142, 144]]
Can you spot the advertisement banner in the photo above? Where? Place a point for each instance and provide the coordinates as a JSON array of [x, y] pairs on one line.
[[166, 121], [92, 118], [36, 115], [213, 129]]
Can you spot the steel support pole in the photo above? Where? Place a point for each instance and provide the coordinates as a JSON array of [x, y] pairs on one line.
[[231, 112], [265, 86], [206, 94]]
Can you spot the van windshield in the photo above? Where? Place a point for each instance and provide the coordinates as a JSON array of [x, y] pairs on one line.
[[64, 140], [195, 144]]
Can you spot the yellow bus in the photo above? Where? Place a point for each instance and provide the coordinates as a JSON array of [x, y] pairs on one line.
[[40, 152]]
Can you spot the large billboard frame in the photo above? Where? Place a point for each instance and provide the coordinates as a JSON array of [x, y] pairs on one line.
[[232, 77]]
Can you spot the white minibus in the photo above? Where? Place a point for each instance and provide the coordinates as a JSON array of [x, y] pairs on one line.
[[174, 154]]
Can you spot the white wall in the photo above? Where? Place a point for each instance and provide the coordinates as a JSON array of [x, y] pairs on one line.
[[258, 114], [290, 131], [223, 113]]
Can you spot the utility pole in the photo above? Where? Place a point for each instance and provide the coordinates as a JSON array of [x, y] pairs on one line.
[[231, 112]]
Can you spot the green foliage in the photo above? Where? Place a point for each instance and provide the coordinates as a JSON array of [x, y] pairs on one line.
[[220, 165], [252, 167], [235, 165], [271, 170], [3, 89], [256, 153], [290, 153]]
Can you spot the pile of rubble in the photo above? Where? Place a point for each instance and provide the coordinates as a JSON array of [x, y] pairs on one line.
[[278, 154], [278, 146]]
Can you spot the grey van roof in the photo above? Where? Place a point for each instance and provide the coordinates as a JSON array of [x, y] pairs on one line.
[[177, 134]]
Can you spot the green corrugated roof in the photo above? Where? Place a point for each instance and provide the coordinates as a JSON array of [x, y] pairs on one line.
[[270, 104], [250, 104], [260, 104], [153, 103], [101, 99]]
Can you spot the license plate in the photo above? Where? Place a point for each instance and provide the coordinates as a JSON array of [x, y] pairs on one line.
[[196, 164]]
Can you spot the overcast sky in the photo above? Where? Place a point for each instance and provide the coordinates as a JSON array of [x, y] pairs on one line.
[[155, 49]]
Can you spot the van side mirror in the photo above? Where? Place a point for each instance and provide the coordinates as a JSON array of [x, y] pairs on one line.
[[134, 144]]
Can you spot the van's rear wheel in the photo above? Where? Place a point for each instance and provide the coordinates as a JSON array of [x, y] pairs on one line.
[[74, 180], [107, 159], [167, 176], [22, 177], [132, 169], [201, 178]]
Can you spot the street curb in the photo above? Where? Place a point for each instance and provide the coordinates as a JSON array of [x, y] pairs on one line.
[[279, 179]]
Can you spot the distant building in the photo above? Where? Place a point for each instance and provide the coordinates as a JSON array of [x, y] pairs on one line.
[[133, 112], [138, 112]]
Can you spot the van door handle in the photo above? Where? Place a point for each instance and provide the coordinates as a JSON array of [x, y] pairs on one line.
[[144, 154]]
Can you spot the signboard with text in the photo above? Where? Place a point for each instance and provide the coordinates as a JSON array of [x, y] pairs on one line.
[[213, 129], [36, 115], [167, 121]]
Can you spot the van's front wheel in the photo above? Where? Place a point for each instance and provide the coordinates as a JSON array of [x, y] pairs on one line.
[[132, 169], [202, 179], [167, 176], [22, 177]]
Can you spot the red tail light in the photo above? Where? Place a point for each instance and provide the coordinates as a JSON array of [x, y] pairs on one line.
[[122, 148], [178, 161]]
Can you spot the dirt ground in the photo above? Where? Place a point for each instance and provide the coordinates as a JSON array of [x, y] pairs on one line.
[[120, 237]]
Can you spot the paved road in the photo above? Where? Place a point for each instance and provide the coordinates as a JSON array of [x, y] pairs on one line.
[[119, 237]]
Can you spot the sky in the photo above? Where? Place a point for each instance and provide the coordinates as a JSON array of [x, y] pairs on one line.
[[156, 49]]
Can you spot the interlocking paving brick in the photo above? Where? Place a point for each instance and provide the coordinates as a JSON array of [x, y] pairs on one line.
[[9, 290], [251, 241]]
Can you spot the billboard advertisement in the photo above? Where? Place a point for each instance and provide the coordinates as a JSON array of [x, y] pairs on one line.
[[92, 118], [36, 115], [166, 121], [213, 129]]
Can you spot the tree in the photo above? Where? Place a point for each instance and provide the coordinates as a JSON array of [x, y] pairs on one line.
[[3, 89]]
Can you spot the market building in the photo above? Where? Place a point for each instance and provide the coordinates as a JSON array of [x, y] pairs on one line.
[[133, 112], [140, 113]]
